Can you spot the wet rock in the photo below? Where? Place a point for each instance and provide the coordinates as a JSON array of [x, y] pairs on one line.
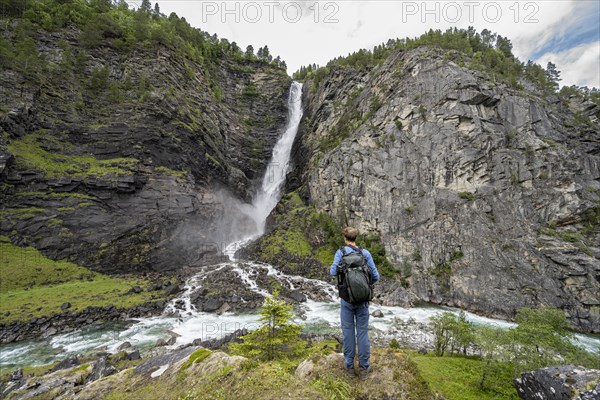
[[67, 363], [220, 343], [172, 290], [297, 296], [224, 308], [124, 346], [101, 369], [153, 363], [135, 290], [134, 355], [377, 314], [50, 332], [211, 305], [160, 342], [559, 383]]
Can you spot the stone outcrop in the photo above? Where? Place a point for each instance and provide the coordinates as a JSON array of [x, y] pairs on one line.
[[486, 197], [564, 382]]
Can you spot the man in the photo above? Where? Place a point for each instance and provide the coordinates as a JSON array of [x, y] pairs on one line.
[[355, 317]]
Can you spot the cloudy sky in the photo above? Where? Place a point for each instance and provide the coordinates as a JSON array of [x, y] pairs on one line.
[[305, 32]]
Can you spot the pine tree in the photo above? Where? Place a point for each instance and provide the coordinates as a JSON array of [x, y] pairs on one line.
[[146, 6], [266, 55], [553, 73], [250, 51], [235, 49], [277, 338], [156, 9]]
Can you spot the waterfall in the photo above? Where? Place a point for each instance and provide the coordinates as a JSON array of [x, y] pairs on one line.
[[269, 192]]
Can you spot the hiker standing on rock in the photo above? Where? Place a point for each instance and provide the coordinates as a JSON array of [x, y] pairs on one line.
[[356, 273]]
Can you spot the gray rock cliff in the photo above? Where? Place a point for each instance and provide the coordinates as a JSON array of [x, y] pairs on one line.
[[486, 197], [132, 161]]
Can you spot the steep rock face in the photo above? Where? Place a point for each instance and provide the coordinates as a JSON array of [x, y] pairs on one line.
[[118, 159], [486, 197]]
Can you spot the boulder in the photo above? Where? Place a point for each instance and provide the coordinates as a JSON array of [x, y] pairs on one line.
[[172, 290], [212, 305], [309, 369], [124, 345], [377, 314], [559, 383], [66, 363], [297, 296], [101, 369]]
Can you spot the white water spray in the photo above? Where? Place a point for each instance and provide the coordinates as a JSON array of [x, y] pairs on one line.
[[269, 192]]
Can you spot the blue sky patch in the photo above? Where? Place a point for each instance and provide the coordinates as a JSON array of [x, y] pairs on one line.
[[583, 27]]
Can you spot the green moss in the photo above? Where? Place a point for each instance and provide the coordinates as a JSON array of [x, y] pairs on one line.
[[169, 171], [32, 285], [26, 210], [53, 222], [467, 196], [442, 272], [56, 195], [456, 255], [372, 242], [292, 241], [572, 237], [213, 160], [196, 357], [325, 255], [30, 154]]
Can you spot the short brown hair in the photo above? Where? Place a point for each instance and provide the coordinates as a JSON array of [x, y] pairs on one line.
[[350, 233]]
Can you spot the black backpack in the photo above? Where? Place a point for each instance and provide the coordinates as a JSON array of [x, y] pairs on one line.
[[355, 283]]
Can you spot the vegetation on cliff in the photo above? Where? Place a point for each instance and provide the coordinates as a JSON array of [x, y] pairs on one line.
[[304, 241], [105, 23], [486, 51], [440, 149], [136, 111]]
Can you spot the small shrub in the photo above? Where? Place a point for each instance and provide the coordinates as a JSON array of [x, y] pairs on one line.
[[467, 196]]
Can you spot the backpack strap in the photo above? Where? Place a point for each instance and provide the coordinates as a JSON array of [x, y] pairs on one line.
[[358, 249]]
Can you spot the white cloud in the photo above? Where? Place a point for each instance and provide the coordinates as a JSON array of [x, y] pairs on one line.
[[579, 66], [530, 25]]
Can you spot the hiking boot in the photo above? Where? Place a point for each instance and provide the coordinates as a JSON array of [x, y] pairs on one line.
[[350, 373], [364, 373]]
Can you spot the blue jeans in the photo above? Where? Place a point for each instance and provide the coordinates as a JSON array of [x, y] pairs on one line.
[[355, 316]]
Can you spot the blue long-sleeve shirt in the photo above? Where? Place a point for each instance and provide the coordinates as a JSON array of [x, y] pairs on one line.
[[348, 249]]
